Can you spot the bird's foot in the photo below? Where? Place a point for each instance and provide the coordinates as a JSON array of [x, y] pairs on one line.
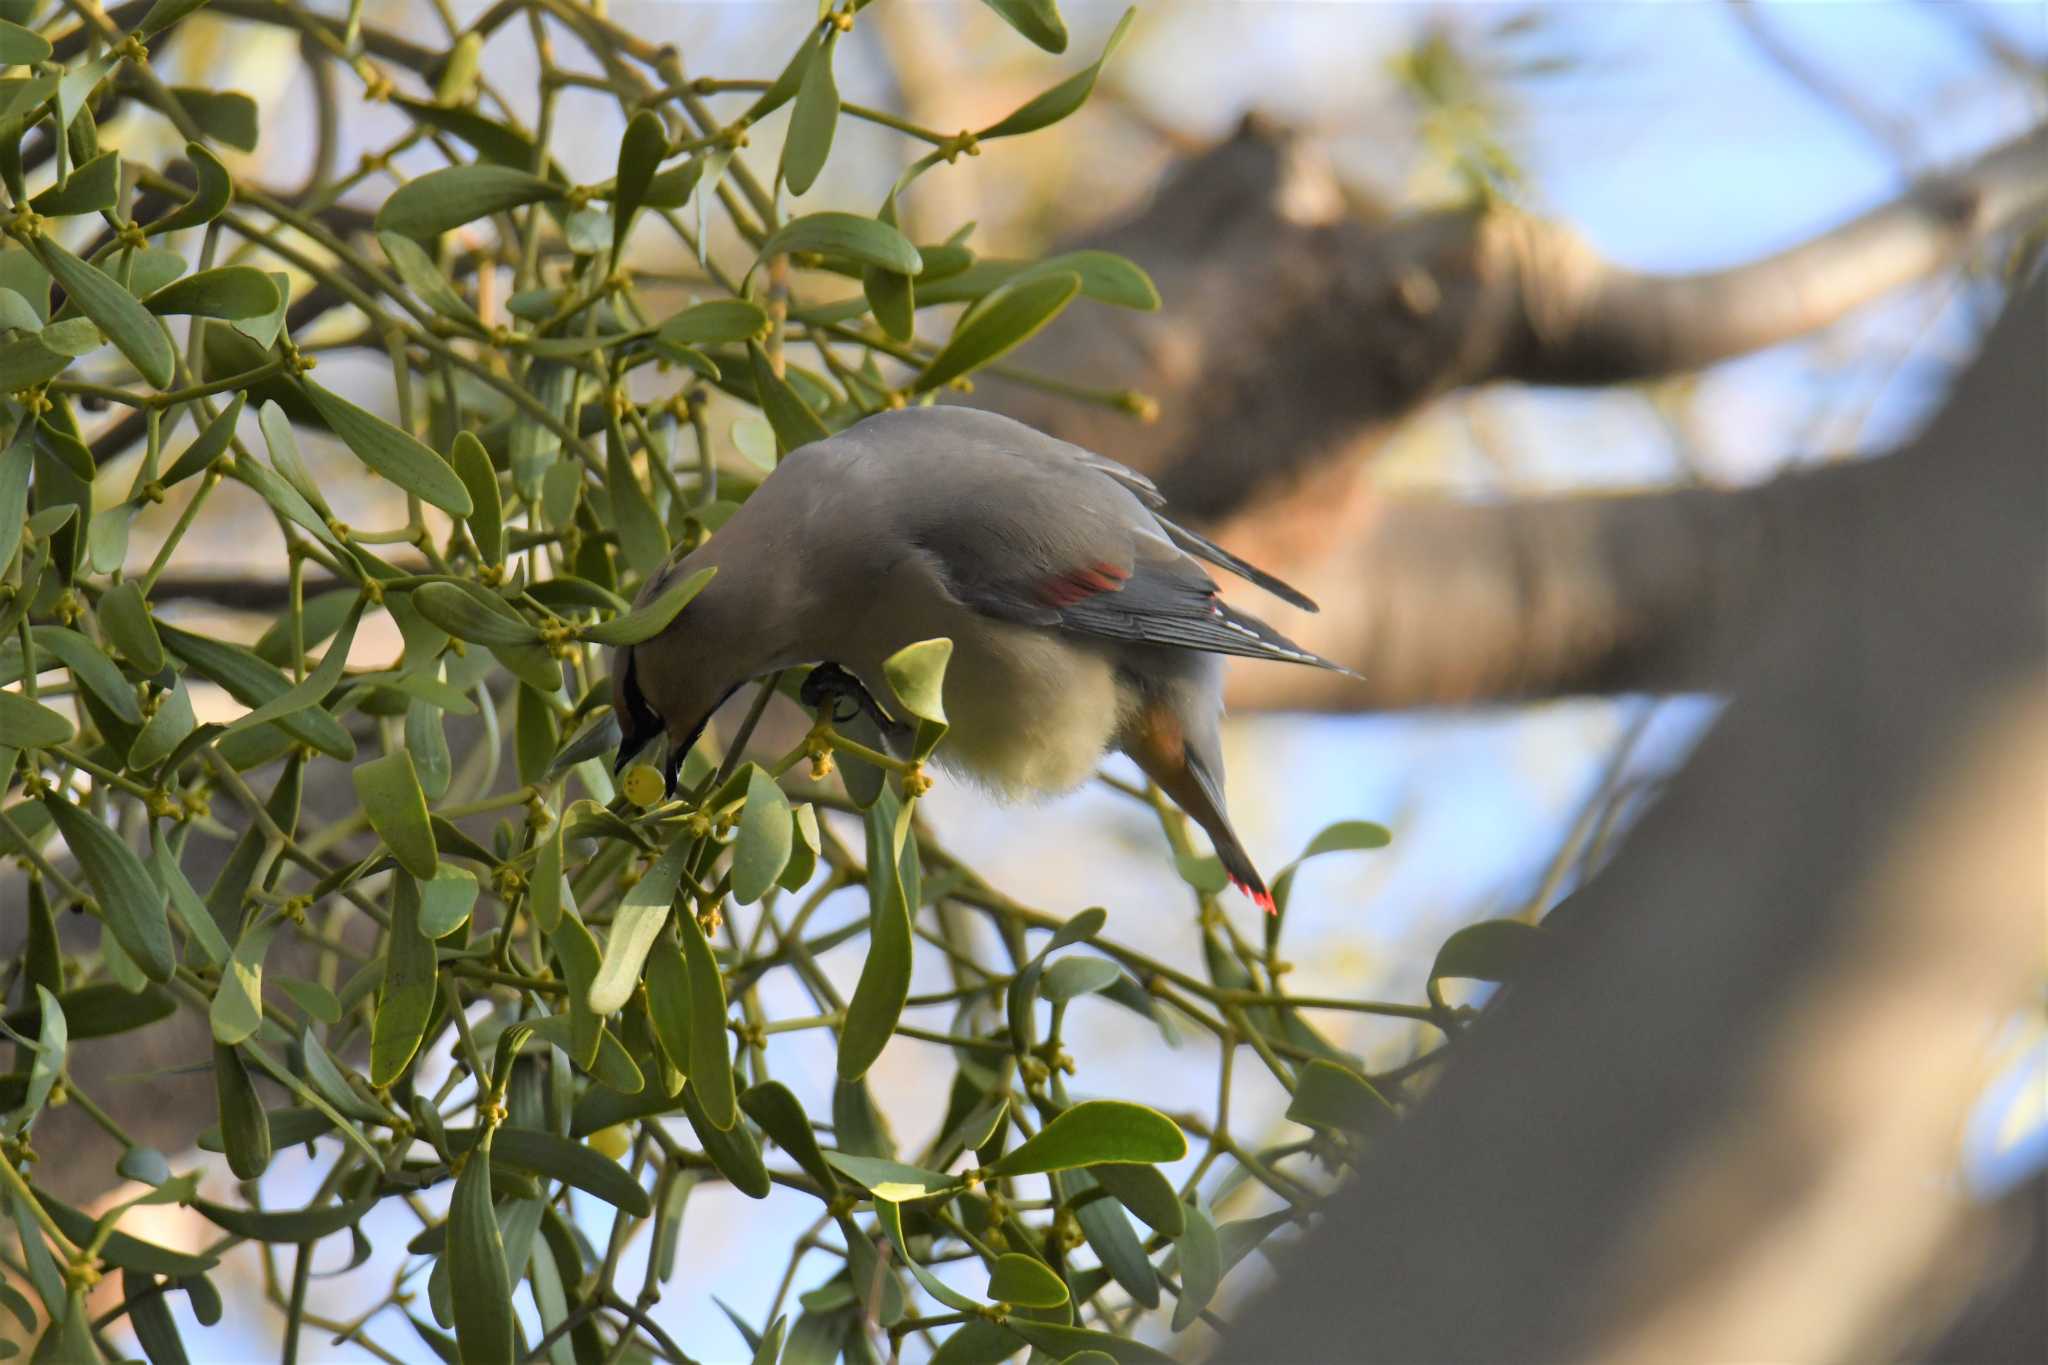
[[829, 686]]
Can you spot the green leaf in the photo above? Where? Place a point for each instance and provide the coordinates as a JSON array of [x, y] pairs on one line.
[[1026, 1282], [446, 900], [794, 422], [642, 912], [892, 298], [1347, 836], [409, 990], [544, 899], [52, 1042], [577, 951], [1077, 976], [646, 622], [892, 1180], [890, 1217], [1145, 1192], [733, 1149], [558, 1158], [289, 1225], [813, 120], [395, 454], [454, 195], [149, 1314], [1239, 1239], [244, 1126], [671, 189], [1202, 871], [1063, 1343], [17, 462], [1330, 1096], [884, 983], [482, 1290], [1105, 277], [214, 192], [917, 674], [131, 902], [1096, 1132], [207, 446], [537, 736], [191, 912], [874, 1283], [769, 1351], [113, 310], [977, 1342], [641, 534], [125, 618], [233, 292], [782, 89], [68, 1340], [331, 1084], [472, 613], [1063, 99], [719, 322], [771, 1105], [487, 512], [1489, 951], [71, 337], [252, 682], [238, 1002], [162, 15], [313, 999], [313, 688], [416, 267], [129, 1253], [224, 115], [1110, 1236], [761, 849], [94, 187], [640, 154], [1038, 20], [30, 725], [26, 362], [668, 1005], [105, 1010], [390, 794], [868, 241], [1201, 1268], [998, 324], [710, 1068], [22, 47]]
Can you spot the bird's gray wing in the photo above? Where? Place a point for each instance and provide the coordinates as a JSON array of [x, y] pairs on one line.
[[1171, 601], [1025, 443], [1040, 551]]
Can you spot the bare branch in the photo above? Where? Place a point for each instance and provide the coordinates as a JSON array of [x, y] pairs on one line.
[[1294, 341]]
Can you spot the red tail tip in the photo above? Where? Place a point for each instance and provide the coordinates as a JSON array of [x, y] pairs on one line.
[[1260, 896]]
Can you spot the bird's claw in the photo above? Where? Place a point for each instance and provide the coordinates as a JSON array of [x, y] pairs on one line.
[[828, 685]]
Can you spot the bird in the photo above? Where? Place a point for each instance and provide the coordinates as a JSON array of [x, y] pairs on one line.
[[1082, 616]]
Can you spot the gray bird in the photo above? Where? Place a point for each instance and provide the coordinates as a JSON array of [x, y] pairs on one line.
[[1080, 617]]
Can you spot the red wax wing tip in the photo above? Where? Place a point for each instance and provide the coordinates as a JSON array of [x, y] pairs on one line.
[[1260, 896], [1071, 587]]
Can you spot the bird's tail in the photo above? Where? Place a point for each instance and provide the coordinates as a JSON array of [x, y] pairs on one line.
[[1164, 754]]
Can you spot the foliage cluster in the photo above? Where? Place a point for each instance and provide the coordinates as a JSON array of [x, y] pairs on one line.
[[532, 1009]]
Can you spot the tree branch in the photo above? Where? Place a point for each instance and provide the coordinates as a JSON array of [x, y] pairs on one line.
[[1445, 603], [1294, 339], [1706, 1123]]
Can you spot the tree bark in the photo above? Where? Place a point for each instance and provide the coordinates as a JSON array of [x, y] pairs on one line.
[[1709, 1121]]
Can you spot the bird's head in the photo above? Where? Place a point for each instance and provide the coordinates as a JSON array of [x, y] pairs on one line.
[[671, 684]]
